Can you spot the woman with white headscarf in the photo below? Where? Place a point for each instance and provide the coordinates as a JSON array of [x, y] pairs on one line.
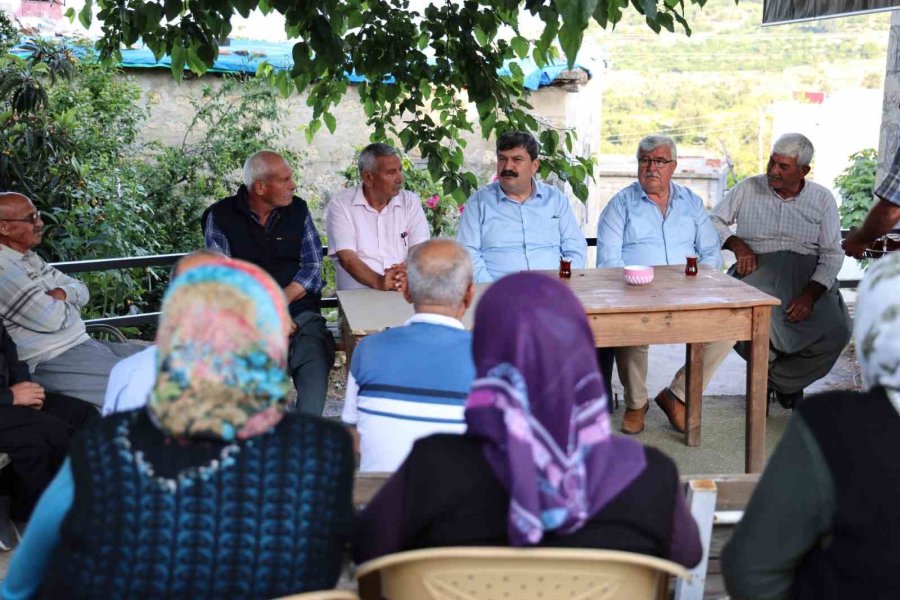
[[824, 520]]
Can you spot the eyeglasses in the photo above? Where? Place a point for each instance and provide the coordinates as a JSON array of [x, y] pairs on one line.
[[32, 218], [659, 163]]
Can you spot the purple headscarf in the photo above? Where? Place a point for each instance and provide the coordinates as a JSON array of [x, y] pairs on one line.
[[539, 405]]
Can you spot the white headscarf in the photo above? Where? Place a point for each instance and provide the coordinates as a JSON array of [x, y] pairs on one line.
[[877, 326]]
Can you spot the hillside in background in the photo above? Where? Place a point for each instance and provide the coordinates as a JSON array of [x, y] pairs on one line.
[[712, 91]]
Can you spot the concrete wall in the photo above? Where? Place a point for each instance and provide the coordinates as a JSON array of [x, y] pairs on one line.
[[576, 106]]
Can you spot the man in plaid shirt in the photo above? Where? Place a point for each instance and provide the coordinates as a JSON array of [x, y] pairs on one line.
[[40, 308], [882, 217], [265, 224], [787, 241]]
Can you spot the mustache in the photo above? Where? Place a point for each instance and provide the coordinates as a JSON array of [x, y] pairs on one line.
[[508, 173]]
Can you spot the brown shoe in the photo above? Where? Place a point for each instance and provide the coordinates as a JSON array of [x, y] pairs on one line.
[[673, 408], [633, 421]]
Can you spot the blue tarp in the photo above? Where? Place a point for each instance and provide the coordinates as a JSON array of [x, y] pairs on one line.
[[244, 56]]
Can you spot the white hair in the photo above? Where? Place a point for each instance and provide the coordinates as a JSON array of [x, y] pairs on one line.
[[444, 282], [795, 145], [652, 142], [256, 168]]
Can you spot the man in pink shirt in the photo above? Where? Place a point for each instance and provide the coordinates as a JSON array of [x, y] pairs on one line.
[[372, 226]]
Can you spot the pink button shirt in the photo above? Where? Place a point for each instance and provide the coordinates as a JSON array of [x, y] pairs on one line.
[[380, 239]]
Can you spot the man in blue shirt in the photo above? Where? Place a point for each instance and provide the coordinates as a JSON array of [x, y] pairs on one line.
[[518, 223], [656, 222], [409, 382]]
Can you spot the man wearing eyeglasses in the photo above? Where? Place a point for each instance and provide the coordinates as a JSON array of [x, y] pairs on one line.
[[653, 222], [40, 308]]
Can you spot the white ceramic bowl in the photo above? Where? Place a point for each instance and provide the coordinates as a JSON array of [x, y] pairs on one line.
[[638, 275]]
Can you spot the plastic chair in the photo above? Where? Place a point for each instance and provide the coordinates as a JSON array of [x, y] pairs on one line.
[[483, 573], [323, 595]]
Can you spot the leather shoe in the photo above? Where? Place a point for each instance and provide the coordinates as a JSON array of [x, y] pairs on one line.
[[673, 408], [633, 421]]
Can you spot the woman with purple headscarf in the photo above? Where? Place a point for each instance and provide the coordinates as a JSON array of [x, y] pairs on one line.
[[537, 464]]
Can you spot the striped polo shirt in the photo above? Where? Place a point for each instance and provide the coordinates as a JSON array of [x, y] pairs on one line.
[[406, 383]]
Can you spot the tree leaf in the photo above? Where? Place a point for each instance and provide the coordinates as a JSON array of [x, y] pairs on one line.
[[330, 122], [86, 14], [520, 46]]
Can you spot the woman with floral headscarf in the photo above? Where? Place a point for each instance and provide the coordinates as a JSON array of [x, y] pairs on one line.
[[537, 464], [213, 490], [824, 520]]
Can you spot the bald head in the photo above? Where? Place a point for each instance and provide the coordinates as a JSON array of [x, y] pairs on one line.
[[21, 227], [439, 273], [9, 201]]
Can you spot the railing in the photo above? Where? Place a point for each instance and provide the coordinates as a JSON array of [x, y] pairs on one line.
[[165, 260]]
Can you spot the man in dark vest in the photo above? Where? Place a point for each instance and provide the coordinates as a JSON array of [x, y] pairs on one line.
[[265, 224]]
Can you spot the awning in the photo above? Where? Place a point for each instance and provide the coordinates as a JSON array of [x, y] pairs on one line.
[[791, 11]]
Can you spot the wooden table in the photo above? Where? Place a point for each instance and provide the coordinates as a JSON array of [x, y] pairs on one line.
[[672, 309]]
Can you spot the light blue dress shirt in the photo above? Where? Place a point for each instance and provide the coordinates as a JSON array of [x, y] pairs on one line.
[[504, 236], [632, 231]]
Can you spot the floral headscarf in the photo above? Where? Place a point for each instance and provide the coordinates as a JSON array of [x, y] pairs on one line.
[[222, 353], [877, 326]]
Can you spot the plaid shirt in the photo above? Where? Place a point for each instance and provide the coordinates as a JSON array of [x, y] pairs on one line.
[[309, 275], [808, 223], [40, 326], [889, 189]]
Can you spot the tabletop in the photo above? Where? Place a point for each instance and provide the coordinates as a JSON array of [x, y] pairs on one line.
[[599, 290]]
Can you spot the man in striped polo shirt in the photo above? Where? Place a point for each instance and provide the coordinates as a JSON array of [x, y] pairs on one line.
[[409, 382], [40, 308]]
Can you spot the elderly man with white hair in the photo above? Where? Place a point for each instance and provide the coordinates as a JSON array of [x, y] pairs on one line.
[[408, 382], [264, 223], [787, 240], [654, 221]]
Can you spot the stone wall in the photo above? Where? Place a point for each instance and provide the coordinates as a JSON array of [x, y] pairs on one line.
[[575, 104]]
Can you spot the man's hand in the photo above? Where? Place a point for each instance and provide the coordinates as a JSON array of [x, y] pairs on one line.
[[28, 394], [294, 291], [802, 306], [57, 294], [746, 259], [394, 278], [854, 245]]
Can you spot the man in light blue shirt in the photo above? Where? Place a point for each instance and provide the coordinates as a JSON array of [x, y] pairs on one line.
[[518, 223], [656, 222]]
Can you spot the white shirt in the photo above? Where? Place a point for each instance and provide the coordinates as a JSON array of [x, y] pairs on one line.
[[385, 442], [380, 239], [130, 382]]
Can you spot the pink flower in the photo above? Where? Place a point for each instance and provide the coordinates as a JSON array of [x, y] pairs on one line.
[[494, 178], [433, 201], [462, 207]]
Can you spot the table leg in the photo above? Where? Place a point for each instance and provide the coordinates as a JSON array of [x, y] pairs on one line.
[[757, 380], [349, 340], [693, 393]]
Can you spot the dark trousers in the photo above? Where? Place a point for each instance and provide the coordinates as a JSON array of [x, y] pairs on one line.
[[37, 442], [606, 358], [310, 360]]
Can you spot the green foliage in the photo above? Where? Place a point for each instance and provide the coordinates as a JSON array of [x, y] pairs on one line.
[[9, 35], [420, 65], [856, 186], [101, 193]]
